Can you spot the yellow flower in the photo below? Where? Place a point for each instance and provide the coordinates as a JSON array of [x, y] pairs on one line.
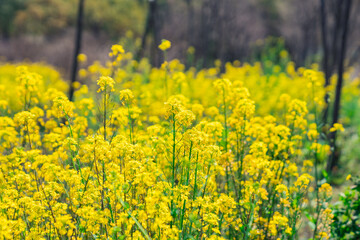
[[326, 189], [116, 49], [76, 84], [197, 109], [201, 161], [303, 181], [106, 84], [23, 118], [337, 127], [126, 95], [3, 104], [62, 107], [165, 45], [281, 188], [190, 50], [81, 58], [82, 73]]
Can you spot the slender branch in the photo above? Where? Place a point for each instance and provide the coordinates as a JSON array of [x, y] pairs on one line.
[[79, 28]]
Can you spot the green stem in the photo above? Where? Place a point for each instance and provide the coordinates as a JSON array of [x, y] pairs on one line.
[[141, 228], [105, 114], [173, 150]]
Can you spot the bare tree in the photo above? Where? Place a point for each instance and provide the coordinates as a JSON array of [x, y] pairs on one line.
[[324, 34], [345, 12], [151, 27], [79, 28]]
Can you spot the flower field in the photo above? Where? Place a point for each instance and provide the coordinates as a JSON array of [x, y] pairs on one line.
[[165, 153]]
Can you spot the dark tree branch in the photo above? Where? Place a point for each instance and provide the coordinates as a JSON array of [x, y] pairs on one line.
[[338, 12], [335, 156], [151, 27], [325, 56], [79, 28]]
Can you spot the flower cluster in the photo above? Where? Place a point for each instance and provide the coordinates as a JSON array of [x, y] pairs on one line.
[[207, 156]]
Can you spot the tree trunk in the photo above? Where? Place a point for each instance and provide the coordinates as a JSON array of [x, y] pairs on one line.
[[79, 28], [338, 12], [323, 21], [151, 27], [335, 156], [156, 34]]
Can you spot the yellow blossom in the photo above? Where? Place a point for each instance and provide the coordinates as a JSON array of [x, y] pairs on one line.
[[165, 45]]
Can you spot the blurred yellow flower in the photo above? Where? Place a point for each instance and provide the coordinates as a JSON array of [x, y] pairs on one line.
[[165, 45]]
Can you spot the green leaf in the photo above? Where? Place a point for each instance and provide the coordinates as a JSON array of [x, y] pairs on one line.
[[325, 174]]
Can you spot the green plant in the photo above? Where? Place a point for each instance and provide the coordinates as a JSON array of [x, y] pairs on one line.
[[346, 212]]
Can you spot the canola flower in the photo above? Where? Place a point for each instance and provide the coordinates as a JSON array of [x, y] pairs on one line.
[[165, 45], [82, 58], [220, 158]]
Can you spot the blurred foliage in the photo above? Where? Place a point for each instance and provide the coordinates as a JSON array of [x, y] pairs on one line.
[[43, 17], [271, 52], [8, 9], [346, 212], [114, 17]]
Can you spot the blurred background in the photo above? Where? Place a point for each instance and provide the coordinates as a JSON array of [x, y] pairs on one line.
[[228, 30]]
